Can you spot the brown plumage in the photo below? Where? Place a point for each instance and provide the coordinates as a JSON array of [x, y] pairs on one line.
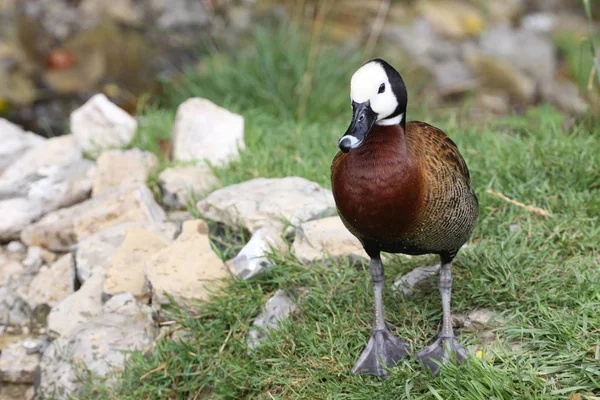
[[401, 188], [406, 190]]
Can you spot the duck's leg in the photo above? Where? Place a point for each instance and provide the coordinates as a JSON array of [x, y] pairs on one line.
[[444, 344], [383, 348]]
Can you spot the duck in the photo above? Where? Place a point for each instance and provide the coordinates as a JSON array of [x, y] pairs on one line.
[[401, 187]]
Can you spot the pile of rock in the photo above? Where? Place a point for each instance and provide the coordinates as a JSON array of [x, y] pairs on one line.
[[88, 255]]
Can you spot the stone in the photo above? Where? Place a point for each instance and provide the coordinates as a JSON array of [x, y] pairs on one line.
[[100, 348], [118, 169], [188, 269], [483, 319], [452, 77], [180, 185], [56, 152], [204, 131], [496, 73], [564, 94], [52, 284], [14, 142], [16, 247], [16, 365], [252, 259], [63, 228], [100, 125], [17, 391], [181, 13], [326, 237], [453, 19], [14, 284], [527, 50], [45, 190], [411, 280], [75, 311], [126, 268], [264, 202], [277, 309], [95, 252]]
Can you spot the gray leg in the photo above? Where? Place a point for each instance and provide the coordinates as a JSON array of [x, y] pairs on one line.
[[383, 348], [445, 343]]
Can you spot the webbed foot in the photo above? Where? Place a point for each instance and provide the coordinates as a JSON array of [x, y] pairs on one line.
[[383, 349], [441, 351]]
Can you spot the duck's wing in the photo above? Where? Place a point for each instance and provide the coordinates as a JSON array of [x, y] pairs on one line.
[[435, 146]]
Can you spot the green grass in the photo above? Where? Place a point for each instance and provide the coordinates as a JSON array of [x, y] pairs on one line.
[[543, 279]]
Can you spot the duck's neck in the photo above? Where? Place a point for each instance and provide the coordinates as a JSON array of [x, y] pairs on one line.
[[386, 143]]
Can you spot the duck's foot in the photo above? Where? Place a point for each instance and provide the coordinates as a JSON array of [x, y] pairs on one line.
[[440, 352], [383, 349]]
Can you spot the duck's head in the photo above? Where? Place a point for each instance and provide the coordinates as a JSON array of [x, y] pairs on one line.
[[378, 97]]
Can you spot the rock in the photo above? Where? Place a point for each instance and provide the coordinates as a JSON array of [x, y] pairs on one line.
[[277, 309], [16, 365], [495, 73], [36, 345], [530, 52], [252, 259], [539, 22], [453, 19], [96, 251], [126, 269], [188, 269], [33, 261], [181, 13], [100, 348], [17, 391], [14, 142], [205, 131], [14, 284], [267, 202], [61, 229], [452, 77], [52, 284], [75, 312], [326, 237], [565, 95], [180, 185], [482, 319], [56, 152], [101, 125], [16, 247], [118, 169], [408, 282], [50, 189]]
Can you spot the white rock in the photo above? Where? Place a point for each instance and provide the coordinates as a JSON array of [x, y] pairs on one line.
[[33, 260], [118, 169], [408, 282], [277, 309], [101, 347], [75, 312], [52, 284], [252, 259], [16, 247], [188, 269], [126, 269], [55, 152], [268, 202], [16, 365], [181, 184], [14, 141], [14, 284], [63, 228], [532, 53], [15, 215], [205, 131], [326, 237], [96, 251], [101, 125]]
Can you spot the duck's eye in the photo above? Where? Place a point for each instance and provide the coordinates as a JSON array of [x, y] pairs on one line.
[[381, 88]]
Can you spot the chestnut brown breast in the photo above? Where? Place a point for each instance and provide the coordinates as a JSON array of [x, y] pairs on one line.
[[406, 191], [377, 187]]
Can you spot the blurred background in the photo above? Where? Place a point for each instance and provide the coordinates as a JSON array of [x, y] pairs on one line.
[[472, 59]]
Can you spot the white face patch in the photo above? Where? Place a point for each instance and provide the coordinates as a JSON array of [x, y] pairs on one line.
[[365, 84], [354, 142]]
